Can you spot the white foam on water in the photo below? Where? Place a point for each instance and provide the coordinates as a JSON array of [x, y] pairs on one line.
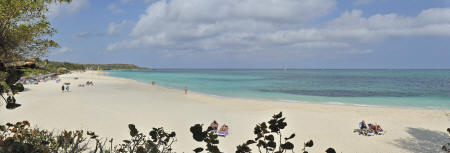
[[290, 101], [336, 103]]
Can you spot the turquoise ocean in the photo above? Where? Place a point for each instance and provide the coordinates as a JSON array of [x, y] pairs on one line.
[[388, 88]]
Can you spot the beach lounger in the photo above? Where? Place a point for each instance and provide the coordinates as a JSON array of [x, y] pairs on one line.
[[380, 132], [370, 133], [222, 133]]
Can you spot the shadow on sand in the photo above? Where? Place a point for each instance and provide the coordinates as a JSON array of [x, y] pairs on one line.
[[423, 141]]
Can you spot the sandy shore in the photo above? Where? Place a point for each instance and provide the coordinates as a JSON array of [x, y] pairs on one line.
[[113, 103]]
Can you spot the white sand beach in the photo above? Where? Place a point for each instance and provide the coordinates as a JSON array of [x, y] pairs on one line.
[[109, 106]]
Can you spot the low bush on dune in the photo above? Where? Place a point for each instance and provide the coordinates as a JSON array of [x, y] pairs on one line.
[[19, 87], [21, 138]]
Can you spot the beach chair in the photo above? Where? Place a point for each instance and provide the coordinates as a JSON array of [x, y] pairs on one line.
[[223, 133], [380, 132], [370, 133]]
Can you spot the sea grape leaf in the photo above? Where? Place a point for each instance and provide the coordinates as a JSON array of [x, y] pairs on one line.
[[249, 142], [279, 115], [287, 146], [290, 137], [272, 144], [133, 130], [310, 143], [270, 137], [197, 150], [330, 150], [173, 134]]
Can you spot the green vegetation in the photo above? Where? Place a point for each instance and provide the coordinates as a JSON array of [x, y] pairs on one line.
[[114, 67], [19, 87], [46, 67], [25, 35], [269, 138], [52, 67], [24, 28], [24, 32], [20, 138]]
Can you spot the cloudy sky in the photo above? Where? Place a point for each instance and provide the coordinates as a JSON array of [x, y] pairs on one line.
[[255, 33]]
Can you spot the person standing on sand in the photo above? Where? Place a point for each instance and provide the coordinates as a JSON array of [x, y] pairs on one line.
[[62, 88], [185, 90], [153, 83]]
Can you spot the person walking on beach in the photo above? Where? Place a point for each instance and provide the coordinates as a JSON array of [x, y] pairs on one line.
[[185, 90], [62, 88], [153, 83]]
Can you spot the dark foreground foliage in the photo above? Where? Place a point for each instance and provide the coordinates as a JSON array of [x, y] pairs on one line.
[[21, 138], [269, 138]]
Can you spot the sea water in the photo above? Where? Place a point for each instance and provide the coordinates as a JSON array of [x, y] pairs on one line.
[[399, 88]]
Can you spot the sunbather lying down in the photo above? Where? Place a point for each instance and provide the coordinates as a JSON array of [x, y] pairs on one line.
[[214, 125], [370, 129], [223, 131], [376, 128]]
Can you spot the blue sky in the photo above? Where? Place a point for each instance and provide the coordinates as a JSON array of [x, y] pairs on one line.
[[254, 33]]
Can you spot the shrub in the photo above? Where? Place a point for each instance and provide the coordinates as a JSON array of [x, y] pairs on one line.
[[19, 87], [20, 138], [159, 141], [210, 138], [269, 138]]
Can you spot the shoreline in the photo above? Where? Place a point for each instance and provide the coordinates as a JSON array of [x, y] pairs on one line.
[[113, 103], [332, 103]]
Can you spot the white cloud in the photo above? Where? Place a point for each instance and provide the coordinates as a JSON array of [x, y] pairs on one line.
[[61, 50], [269, 25], [208, 16], [116, 28], [56, 9], [353, 26], [202, 21]]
